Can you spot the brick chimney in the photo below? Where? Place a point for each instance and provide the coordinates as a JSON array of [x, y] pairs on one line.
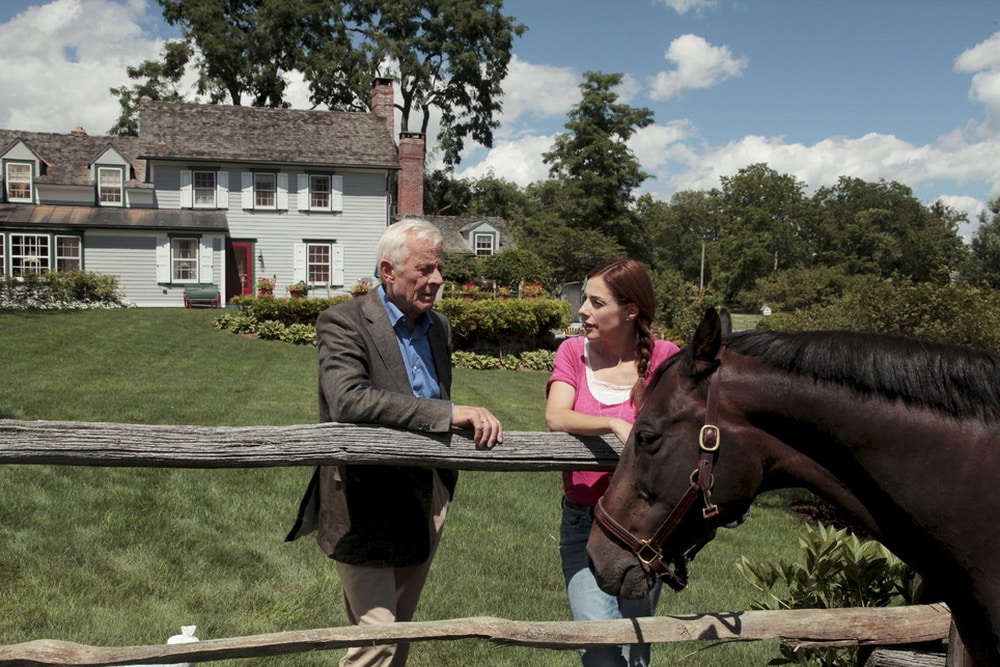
[[410, 188], [382, 103]]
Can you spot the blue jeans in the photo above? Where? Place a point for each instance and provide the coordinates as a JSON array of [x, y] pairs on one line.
[[587, 602]]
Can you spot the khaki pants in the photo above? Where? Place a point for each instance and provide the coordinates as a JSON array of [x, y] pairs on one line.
[[386, 594]]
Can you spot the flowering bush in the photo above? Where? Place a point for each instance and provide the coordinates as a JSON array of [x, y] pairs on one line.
[[532, 290], [361, 287], [57, 290]]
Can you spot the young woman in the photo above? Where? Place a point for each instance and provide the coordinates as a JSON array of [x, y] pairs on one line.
[[595, 388]]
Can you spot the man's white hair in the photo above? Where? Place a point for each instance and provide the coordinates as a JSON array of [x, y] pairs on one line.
[[392, 246]]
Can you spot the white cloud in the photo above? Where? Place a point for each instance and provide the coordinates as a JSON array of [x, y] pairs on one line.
[[688, 166], [64, 50], [971, 206], [983, 62], [685, 6], [536, 92], [518, 161], [653, 146], [698, 65]]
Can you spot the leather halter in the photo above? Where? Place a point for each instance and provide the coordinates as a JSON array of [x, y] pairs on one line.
[[650, 551]]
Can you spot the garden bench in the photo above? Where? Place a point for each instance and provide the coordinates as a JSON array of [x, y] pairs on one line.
[[202, 295]]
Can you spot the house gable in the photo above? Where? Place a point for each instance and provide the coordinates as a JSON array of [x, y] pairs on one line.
[[19, 170], [461, 232]]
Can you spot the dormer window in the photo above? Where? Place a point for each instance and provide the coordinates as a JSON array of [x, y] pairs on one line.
[[17, 180], [485, 245], [110, 186]]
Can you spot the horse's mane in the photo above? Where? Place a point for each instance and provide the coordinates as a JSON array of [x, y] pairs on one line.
[[957, 381]]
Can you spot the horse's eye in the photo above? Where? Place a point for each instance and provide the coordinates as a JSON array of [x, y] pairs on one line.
[[647, 441]]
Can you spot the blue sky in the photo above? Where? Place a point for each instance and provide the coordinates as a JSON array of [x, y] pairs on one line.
[[901, 90]]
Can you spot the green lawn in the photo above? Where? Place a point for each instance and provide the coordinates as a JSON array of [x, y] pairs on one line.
[[122, 556]]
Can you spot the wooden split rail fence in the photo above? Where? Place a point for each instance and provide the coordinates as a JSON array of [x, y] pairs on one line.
[[137, 445]]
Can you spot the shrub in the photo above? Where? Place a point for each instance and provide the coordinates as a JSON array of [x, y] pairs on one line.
[[952, 313], [511, 268], [461, 268], [271, 330], [286, 311], [538, 360], [794, 289], [512, 325], [299, 334], [60, 290], [679, 305], [479, 362], [503, 327], [839, 570]]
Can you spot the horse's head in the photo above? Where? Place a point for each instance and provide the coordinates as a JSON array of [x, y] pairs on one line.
[[665, 499]]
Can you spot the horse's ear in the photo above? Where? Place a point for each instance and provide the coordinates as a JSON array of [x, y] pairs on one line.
[[706, 343], [726, 320]]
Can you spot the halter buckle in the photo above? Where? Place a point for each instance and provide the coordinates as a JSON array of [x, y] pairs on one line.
[[657, 554], [709, 431]]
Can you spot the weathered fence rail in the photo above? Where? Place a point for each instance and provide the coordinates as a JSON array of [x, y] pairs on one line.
[[145, 445], [139, 445], [809, 627]]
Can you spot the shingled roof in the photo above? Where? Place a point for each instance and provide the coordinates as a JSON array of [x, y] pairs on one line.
[[216, 132], [67, 157], [456, 228]]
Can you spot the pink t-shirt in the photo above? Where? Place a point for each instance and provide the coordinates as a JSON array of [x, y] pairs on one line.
[[571, 367]]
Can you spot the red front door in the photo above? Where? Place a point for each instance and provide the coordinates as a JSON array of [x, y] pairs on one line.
[[239, 282]]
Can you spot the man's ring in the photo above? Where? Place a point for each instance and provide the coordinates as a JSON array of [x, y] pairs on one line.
[[486, 421]]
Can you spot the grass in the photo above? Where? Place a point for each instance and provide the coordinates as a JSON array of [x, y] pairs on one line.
[[122, 556]]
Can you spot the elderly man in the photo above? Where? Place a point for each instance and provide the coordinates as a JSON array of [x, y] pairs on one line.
[[386, 359]]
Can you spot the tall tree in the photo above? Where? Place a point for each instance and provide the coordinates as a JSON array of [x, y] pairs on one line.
[[593, 162], [760, 215], [880, 228], [449, 55], [569, 251], [245, 48], [985, 248], [678, 232], [160, 81]]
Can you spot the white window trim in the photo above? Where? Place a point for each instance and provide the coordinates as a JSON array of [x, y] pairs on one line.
[[249, 194], [493, 243], [221, 189], [120, 187], [174, 261], [48, 255], [204, 267], [58, 256], [8, 180], [336, 193], [300, 263]]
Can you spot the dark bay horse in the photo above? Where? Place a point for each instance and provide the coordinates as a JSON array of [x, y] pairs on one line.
[[902, 434]]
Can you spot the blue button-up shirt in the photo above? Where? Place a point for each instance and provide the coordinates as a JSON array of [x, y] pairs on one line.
[[415, 348]]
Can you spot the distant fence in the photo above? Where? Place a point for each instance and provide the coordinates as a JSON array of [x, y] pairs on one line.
[[143, 445]]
